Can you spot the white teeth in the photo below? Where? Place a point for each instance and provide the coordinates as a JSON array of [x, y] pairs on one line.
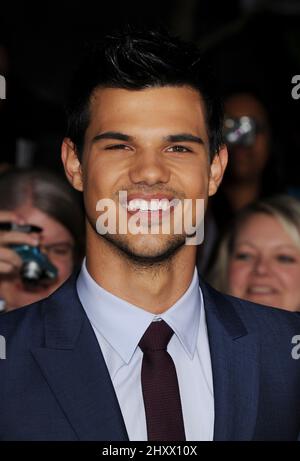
[[154, 206], [144, 205], [165, 204]]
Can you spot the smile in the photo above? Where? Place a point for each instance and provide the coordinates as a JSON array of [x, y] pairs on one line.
[[261, 290], [148, 205]]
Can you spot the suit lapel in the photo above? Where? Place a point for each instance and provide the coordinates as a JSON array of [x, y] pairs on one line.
[[74, 367], [235, 368]]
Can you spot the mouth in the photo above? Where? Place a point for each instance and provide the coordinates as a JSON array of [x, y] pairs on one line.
[[150, 206], [261, 290]]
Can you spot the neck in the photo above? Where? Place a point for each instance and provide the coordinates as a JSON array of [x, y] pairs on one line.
[[154, 288]]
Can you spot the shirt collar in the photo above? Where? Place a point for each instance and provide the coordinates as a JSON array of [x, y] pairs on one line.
[[123, 324]]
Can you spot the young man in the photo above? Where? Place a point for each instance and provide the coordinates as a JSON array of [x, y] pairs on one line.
[[132, 347]]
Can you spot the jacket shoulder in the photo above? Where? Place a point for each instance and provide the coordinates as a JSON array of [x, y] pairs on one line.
[[24, 323], [257, 316]]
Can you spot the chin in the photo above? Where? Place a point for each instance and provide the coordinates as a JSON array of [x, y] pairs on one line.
[[147, 252], [266, 301]]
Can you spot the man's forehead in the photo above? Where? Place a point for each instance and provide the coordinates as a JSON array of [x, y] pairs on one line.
[[114, 108]]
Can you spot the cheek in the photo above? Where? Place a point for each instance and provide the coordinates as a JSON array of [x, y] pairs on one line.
[[95, 183], [237, 277], [290, 278], [95, 189], [102, 179], [64, 269], [194, 181], [262, 150]]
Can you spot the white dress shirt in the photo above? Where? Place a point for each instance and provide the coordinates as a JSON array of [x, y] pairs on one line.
[[119, 326]]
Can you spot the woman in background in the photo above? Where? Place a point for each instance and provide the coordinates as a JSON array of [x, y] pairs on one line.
[[259, 256], [37, 198]]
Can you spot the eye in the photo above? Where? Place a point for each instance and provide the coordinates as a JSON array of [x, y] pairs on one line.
[[58, 250], [286, 259], [243, 256], [179, 148], [61, 250], [118, 147]]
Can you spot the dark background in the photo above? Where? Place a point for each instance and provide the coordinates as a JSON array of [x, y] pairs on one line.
[[251, 42]]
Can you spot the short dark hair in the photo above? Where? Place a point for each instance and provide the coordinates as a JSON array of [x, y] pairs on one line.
[[136, 60]]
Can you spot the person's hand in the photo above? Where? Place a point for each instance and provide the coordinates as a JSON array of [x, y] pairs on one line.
[[10, 261]]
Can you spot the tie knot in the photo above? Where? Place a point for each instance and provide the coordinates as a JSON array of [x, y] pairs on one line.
[[156, 337]]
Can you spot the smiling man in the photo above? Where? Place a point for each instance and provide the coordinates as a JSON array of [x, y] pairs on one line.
[[134, 347], [153, 144]]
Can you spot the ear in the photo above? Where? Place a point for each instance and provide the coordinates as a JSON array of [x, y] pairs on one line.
[[217, 169], [71, 164]]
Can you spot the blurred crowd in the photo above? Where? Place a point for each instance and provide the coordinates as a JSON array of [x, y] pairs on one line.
[[251, 247], [252, 235]]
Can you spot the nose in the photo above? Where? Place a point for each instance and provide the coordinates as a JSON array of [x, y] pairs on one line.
[[261, 266], [149, 168]]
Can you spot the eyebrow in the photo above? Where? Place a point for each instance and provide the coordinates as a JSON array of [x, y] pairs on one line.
[[64, 242], [112, 135], [184, 137], [181, 137], [290, 246]]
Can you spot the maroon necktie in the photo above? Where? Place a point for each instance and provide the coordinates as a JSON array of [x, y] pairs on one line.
[[160, 386]]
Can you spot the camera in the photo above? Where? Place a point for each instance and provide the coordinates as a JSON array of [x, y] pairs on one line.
[[241, 131], [36, 267]]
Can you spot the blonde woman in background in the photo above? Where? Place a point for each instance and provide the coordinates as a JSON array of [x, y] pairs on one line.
[[259, 256]]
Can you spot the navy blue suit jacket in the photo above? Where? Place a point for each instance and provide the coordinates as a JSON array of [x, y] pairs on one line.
[[54, 384]]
